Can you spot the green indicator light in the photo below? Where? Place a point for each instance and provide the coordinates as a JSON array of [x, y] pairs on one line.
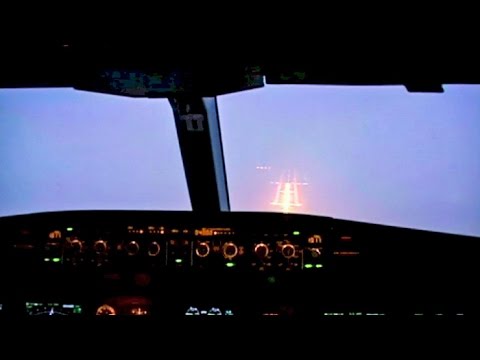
[[296, 233], [69, 229], [308, 266], [46, 259], [55, 260], [318, 266], [178, 261], [230, 264]]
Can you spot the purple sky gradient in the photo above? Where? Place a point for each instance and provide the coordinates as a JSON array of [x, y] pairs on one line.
[[374, 154], [62, 149]]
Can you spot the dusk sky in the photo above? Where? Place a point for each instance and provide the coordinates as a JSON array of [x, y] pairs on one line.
[[372, 154]]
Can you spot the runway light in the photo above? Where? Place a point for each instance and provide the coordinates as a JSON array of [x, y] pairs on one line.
[[230, 264], [178, 261], [46, 259], [296, 233], [56, 260], [70, 229], [308, 266], [318, 266]]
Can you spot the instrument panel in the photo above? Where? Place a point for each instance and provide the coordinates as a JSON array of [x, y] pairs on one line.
[[163, 264], [161, 245]]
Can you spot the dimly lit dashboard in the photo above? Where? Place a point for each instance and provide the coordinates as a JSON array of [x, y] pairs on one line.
[[187, 265]]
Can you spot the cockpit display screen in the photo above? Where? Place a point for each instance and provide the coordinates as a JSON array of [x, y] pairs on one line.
[[52, 309]]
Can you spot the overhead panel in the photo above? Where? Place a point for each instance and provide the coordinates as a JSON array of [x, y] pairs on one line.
[[174, 81]]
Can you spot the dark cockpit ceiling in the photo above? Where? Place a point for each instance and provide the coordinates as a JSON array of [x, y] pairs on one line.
[[206, 69]]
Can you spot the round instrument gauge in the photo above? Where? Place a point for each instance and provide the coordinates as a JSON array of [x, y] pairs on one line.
[[105, 310]]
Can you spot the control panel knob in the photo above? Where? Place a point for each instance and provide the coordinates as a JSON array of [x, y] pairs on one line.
[[76, 245], [100, 247], [230, 250], [153, 249], [288, 251], [132, 248], [202, 250], [315, 252], [261, 250]]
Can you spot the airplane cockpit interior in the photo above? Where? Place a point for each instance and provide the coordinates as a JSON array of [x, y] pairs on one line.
[[134, 187]]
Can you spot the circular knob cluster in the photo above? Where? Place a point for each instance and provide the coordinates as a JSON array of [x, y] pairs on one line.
[[202, 250], [288, 251], [261, 250], [132, 248], [153, 249], [100, 247], [230, 250]]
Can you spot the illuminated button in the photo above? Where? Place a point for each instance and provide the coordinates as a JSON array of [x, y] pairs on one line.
[[153, 249], [100, 247], [133, 248], [315, 239], [192, 311], [261, 250], [288, 251], [230, 250], [202, 250], [55, 234], [214, 311]]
